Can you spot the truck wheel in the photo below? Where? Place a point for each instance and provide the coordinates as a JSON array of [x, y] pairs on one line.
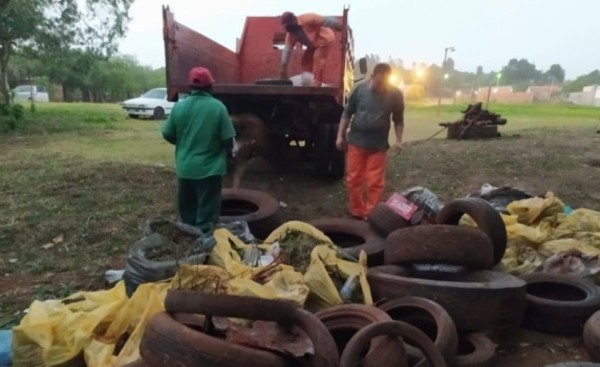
[[329, 162]]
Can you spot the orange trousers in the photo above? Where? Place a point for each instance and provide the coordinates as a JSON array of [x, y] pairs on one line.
[[365, 179]]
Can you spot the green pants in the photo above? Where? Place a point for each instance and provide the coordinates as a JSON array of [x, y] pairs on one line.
[[200, 201]]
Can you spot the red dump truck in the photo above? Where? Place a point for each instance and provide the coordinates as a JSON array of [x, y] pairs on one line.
[[301, 121]]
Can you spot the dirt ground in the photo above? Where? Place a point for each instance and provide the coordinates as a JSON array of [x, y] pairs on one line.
[[67, 219]]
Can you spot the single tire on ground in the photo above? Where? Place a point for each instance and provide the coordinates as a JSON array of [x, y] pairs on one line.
[[476, 300], [361, 341], [167, 343], [352, 236], [485, 216], [251, 308], [344, 321], [429, 317], [440, 244], [559, 304], [259, 209], [385, 220], [475, 350], [591, 336]]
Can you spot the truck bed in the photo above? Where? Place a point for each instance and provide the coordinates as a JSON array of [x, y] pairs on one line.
[[286, 90]]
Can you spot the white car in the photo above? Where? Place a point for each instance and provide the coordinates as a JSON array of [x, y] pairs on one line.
[[151, 104], [23, 93]]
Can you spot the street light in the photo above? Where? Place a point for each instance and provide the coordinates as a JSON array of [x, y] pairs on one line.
[[446, 76], [451, 49], [498, 76], [420, 73]]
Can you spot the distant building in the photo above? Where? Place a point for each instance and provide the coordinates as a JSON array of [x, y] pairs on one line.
[[590, 96], [543, 93]]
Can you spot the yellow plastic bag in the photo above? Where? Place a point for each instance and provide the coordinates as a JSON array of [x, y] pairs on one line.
[[534, 209], [323, 291], [53, 332], [520, 258], [581, 220], [550, 248], [286, 284]]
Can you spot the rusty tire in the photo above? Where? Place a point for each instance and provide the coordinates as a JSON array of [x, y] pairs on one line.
[[344, 321], [259, 209], [439, 244], [423, 314], [591, 336], [251, 308], [565, 300], [476, 300], [409, 333], [485, 216], [475, 350], [167, 343], [384, 220], [370, 242], [326, 351]]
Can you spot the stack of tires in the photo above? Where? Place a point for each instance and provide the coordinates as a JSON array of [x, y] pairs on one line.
[[450, 266]]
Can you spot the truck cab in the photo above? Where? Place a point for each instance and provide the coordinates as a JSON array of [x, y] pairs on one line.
[[301, 121]]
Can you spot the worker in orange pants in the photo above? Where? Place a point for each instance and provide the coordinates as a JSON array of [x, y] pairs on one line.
[[316, 33], [371, 107]]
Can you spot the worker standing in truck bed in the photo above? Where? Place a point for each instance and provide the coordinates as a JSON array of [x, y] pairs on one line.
[[316, 33]]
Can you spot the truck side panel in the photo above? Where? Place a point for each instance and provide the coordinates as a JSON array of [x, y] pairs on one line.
[[260, 52], [185, 49]]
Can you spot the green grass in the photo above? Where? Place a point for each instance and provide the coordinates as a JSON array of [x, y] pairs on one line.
[[89, 173]]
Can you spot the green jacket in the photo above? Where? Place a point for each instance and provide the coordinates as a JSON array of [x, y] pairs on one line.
[[199, 127]]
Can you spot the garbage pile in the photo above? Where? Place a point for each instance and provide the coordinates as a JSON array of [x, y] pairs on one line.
[[435, 277], [476, 122]]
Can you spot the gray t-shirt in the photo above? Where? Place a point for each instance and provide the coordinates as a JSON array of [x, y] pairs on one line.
[[372, 112]]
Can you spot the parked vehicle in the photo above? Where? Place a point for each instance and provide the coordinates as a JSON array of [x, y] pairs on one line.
[[302, 121], [24, 93], [152, 104]]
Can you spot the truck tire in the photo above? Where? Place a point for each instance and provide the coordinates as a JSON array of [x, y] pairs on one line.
[[328, 160], [258, 209], [167, 343], [559, 304], [326, 352], [485, 216], [439, 244], [384, 220], [361, 340], [476, 300], [475, 350], [428, 316], [591, 336], [346, 229]]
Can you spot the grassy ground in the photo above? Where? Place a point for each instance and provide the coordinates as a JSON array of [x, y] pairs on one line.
[[87, 178]]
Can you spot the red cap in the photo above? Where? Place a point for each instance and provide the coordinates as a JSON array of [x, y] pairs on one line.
[[287, 17], [200, 77]]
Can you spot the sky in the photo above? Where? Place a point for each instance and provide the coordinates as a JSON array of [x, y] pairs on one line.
[[483, 32]]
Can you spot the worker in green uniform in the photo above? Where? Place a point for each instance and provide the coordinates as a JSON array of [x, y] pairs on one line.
[[201, 130]]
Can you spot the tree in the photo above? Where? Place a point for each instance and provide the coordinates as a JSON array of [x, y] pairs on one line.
[[582, 81], [49, 29], [556, 73], [520, 73]]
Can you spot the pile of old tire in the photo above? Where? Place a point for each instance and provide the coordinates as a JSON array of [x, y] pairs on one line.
[[187, 333], [259, 209], [451, 265]]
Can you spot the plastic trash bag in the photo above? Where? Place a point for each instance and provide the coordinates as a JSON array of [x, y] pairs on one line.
[[574, 263], [500, 197], [139, 269], [533, 210], [426, 200], [5, 347]]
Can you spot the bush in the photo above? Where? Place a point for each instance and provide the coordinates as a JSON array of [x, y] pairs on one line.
[[10, 115]]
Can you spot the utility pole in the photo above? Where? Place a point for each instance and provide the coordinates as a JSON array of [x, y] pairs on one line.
[[451, 49]]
